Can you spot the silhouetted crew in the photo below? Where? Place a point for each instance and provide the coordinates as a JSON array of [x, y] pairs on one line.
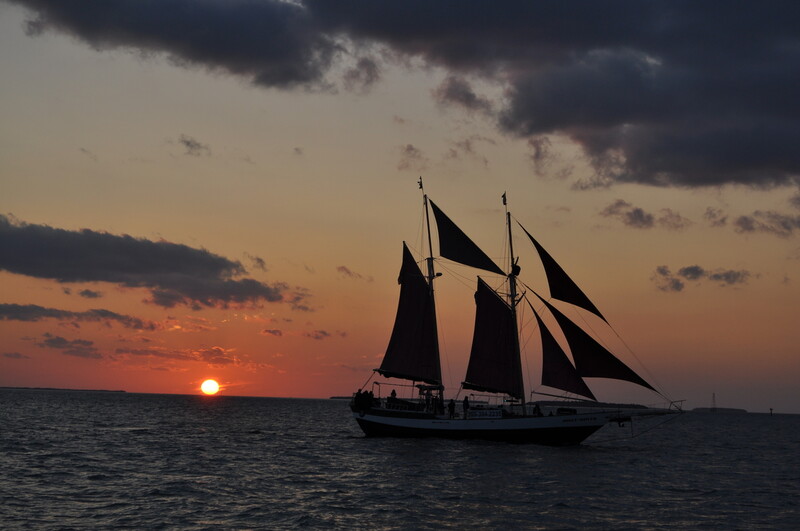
[[466, 406]]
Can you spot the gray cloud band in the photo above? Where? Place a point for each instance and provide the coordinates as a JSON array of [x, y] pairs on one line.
[[174, 273], [664, 92]]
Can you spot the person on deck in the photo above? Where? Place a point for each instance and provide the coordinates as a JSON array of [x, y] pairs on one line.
[[451, 408], [466, 406]]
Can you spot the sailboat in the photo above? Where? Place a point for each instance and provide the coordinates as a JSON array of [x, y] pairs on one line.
[[495, 364]]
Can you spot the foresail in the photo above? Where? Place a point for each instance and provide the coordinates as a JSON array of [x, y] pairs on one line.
[[455, 245], [494, 362], [562, 287], [413, 351], [591, 358], [557, 370]]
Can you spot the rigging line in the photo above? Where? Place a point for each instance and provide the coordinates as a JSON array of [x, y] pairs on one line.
[[371, 376], [650, 376], [602, 342], [465, 281]]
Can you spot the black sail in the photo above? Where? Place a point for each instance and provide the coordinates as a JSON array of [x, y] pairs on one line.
[[413, 351], [455, 245], [591, 358], [494, 362], [557, 370], [562, 287]]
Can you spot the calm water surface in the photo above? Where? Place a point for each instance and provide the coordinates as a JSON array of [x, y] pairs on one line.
[[119, 460]]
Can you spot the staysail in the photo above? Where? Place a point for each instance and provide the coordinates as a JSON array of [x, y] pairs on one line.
[[413, 351], [562, 287], [494, 362], [457, 246], [557, 370], [591, 358]]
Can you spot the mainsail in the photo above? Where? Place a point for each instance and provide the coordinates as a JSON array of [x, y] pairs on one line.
[[562, 287], [591, 358], [494, 362], [557, 370], [413, 351], [456, 246]]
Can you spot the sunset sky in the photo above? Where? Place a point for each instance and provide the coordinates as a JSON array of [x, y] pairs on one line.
[[196, 189]]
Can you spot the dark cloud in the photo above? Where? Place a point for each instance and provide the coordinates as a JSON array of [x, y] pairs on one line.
[[317, 334], [15, 356], [194, 147], [629, 215], [692, 272], [90, 294], [33, 312], [272, 332], [768, 222], [175, 274], [665, 280], [663, 92], [271, 43], [81, 348], [637, 218]]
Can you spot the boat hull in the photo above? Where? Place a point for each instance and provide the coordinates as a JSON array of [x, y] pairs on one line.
[[552, 431]]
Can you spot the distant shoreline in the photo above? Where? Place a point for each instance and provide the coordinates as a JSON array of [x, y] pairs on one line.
[[63, 389], [718, 410]]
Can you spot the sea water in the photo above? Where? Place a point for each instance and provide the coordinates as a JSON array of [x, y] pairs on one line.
[[77, 460]]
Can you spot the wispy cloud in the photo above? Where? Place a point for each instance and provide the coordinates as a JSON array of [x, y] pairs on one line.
[[33, 312], [715, 217], [665, 280], [319, 335], [632, 216], [411, 158], [81, 348], [347, 272], [217, 356], [456, 90], [16, 356], [194, 147], [361, 77], [781, 225]]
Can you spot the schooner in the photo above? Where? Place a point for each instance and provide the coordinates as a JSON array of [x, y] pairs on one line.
[[495, 364]]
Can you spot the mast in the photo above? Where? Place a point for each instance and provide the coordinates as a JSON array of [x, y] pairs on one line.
[[431, 271], [429, 259], [512, 293]]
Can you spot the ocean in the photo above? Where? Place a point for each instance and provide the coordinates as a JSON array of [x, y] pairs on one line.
[[104, 460]]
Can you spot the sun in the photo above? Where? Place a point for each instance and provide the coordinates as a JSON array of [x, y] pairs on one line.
[[210, 387]]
